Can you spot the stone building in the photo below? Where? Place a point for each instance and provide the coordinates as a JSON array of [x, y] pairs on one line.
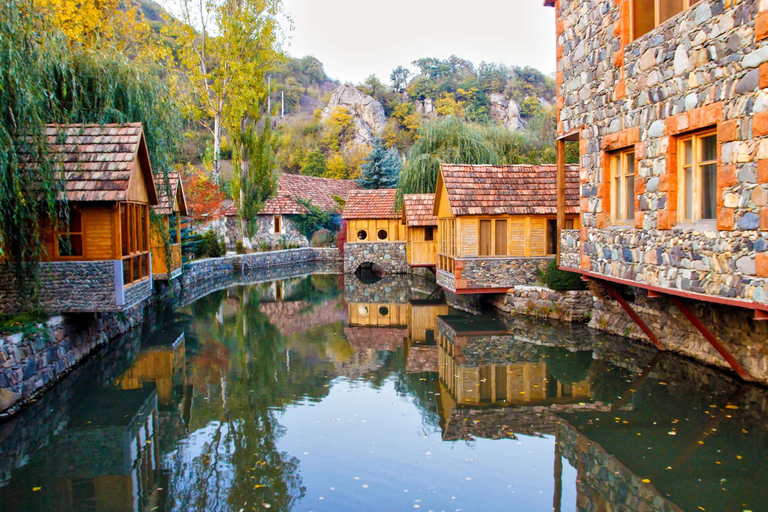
[[668, 105], [276, 220], [375, 234], [103, 261], [497, 224], [420, 229], [172, 206]]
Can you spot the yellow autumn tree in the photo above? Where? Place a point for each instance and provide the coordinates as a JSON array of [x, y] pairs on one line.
[[337, 167]]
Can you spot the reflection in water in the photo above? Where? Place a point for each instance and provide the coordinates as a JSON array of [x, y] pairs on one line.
[[309, 393]]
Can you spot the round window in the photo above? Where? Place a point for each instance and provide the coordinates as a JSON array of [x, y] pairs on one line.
[[362, 234], [383, 311], [362, 310], [382, 234]]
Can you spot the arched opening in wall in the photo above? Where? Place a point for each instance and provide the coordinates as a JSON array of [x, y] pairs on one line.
[[382, 234], [369, 272], [362, 234]]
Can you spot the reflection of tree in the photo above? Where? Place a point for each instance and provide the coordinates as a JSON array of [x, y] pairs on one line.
[[567, 367], [421, 387]]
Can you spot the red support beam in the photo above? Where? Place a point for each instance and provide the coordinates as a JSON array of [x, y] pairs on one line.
[[632, 313], [761, 315], [638, 382], [712, 339]]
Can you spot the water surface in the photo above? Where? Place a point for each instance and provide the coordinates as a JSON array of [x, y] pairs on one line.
[[313, 391]]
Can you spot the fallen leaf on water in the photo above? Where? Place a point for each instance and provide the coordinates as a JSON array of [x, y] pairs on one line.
[[35, 489], [646, 481]]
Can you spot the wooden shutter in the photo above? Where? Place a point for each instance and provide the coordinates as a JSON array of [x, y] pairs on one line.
[[517, 237], [485, 238], [538, 237], [468, 239], [501, 238]]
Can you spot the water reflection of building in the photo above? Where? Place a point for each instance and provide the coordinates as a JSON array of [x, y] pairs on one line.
[[160, 365], [422, 352], [105, 459]]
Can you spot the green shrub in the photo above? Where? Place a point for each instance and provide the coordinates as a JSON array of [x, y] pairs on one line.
[[210, 247], [322, 238], [265, 246], [28, 323], [560, 280], [240, 247]]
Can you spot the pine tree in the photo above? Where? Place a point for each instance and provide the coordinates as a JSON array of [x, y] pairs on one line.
[[381, 168]]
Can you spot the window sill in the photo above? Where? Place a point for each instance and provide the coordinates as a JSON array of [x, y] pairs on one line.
[[709, 225]]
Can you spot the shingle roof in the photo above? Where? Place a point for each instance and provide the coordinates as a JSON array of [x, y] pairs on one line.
[[98, 160], [371, 204], [509, 189], [166, 193], [418, 210], [320, 191]]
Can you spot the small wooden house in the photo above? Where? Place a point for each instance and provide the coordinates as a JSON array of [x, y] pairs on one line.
[[420, 229], [103, 261], [371, 217], [166, 260], [498, 224], [276, 219]]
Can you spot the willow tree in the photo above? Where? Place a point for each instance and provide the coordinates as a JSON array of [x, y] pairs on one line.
[[226, 49], [45, 79]]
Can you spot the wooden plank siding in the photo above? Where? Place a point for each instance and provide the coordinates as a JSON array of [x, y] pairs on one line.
[[393, 227], [99, 223], [377, 315], [420, 251], [526, 236], [423, 318]]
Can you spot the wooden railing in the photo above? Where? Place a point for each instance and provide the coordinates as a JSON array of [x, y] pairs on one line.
[[446, 263]]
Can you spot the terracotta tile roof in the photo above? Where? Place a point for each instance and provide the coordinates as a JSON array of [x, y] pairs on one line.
[[371, 204], [98, 160], [509, 189], [417, 210], [320, 191], [166, 193], [228, 208], [377, 338]]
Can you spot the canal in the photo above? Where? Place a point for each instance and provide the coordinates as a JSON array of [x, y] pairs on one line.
[[313, 391]]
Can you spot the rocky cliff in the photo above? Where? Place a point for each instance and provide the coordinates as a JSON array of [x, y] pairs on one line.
[[368, 114]]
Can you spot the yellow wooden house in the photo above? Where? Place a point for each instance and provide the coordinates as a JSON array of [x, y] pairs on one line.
[[102, 262], [371, 217], [498, 224], [172, 206], [420, 229]]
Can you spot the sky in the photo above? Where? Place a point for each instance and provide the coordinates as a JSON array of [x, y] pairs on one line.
[[357, 38]]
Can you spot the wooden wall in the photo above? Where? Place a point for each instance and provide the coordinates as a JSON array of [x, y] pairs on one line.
[[526, 235], [394, 228], [101, 226], [420, 251], [423, 318], [377, 315]]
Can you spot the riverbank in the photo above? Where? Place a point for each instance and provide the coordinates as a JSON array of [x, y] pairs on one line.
[[32, 362]]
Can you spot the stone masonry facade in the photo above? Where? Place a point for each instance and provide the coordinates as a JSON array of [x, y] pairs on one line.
[[705, 68], [289, 234], [73, 287], [389, 257], [492, 273]]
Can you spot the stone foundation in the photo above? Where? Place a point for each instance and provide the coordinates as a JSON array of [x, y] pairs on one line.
[[389, 257], [492, 273], [745, 338], [538, 301]]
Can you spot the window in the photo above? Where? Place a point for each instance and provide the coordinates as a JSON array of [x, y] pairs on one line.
[[382, 234], [277, 224], [383, 311], [362, 234], [551, 236], [134, 236], [697, 174], [429, 234], [71, 243], [649, 14], [493, 238], [623, 187]]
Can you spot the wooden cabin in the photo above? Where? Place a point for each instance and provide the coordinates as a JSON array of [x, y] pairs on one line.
[[102, 262], [498, 224], [377, 315], [371, 217], [172, 206], [420, 229]]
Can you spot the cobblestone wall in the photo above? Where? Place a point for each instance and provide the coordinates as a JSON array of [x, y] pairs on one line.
[[79, 286], [570, 248], [390, 257], [538, 301], [289, 235]]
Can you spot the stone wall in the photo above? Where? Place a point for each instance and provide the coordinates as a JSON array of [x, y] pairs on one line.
[[31, 363], [539, 301], [492, 273], [289, 235], [389, 257], [704, 68], [227, 228], [736, 329], [569, 248]]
